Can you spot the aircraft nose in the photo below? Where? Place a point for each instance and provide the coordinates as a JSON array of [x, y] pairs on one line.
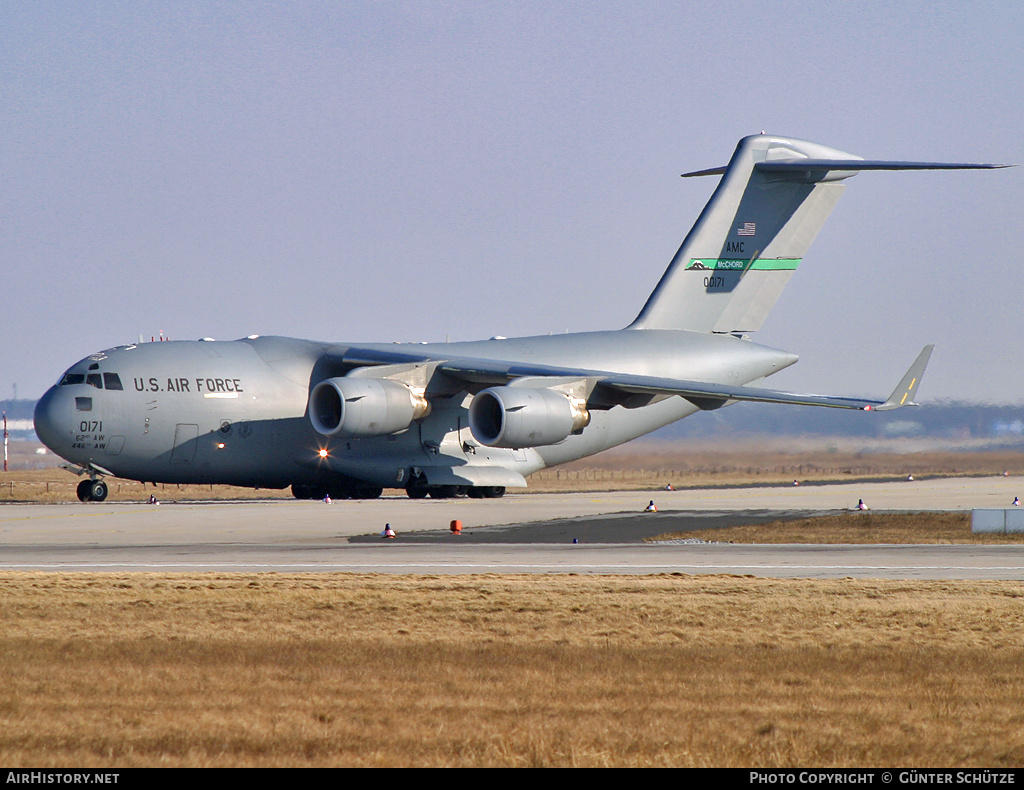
[[53, 418]]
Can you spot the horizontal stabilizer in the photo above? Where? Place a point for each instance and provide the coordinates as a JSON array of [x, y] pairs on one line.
[[784, 165], [711, 171], [781, 166]]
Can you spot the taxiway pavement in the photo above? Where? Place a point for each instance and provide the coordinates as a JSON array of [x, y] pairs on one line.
[[519, 533]]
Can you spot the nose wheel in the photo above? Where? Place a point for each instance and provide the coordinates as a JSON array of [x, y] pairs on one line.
[[92, 491]]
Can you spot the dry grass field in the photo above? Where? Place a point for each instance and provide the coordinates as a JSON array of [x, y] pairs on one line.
[[897, 528], [120, 670], [348, 670], [652, 464]]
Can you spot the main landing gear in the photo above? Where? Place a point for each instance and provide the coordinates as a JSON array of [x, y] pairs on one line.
[[300, 491], [455, 492], [303, 491], [92, 491]]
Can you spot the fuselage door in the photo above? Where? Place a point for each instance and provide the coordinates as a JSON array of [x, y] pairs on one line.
[[185, 441]]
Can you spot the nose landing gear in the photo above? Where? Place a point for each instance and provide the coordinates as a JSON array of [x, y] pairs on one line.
[[92, 491]]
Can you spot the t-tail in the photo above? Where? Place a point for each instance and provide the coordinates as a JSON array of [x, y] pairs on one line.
[[774, 197]]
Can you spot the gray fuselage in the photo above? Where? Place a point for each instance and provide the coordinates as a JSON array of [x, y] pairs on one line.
[[236, 412]]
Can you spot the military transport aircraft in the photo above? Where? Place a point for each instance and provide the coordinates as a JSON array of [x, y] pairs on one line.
[[472, 418]]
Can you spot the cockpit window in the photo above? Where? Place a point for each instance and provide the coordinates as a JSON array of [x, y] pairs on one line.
[[110, 381]]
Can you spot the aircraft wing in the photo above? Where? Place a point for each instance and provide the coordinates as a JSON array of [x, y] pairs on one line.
[[617, 387], [707, 395]]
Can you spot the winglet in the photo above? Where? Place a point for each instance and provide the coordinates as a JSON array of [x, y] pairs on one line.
[[905, 391]]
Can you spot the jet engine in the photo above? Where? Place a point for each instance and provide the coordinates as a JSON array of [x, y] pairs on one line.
[[517, 417], [359, 407]]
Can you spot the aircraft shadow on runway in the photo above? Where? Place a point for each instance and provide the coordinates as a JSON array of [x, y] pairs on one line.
[[613, 528]]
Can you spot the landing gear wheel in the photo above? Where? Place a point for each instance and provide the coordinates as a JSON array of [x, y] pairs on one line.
[[84, 491], [448, 492], [416, 492], [300, 491], [98, 490], [486, 492]]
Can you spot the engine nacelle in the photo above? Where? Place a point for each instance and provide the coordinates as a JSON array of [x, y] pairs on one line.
[[359, 407], [517, 417]]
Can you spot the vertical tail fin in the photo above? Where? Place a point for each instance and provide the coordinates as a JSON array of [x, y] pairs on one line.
[[774, 196], [748, 240]]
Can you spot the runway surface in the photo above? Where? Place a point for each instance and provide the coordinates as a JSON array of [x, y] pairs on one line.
[[521, 533]]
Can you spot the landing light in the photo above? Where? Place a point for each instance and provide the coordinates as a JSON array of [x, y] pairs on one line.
[[323, 453], [220, 445]]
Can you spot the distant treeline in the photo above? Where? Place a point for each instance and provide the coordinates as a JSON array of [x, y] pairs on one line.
[[18, 409], [951, 420], [19, 419]]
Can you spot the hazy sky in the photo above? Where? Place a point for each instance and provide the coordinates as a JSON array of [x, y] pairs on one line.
[[411, 171]]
